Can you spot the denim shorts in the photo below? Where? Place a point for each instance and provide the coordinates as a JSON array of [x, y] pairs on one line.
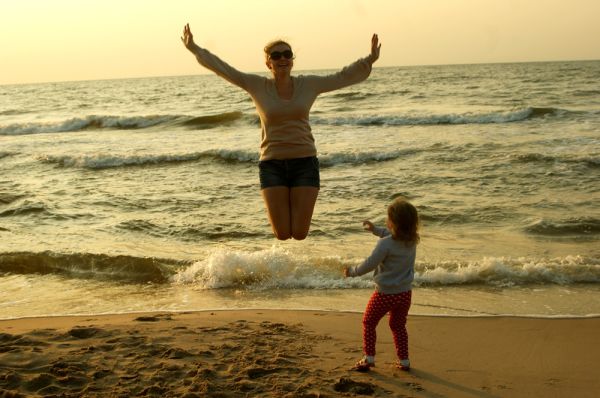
[[299, 172]]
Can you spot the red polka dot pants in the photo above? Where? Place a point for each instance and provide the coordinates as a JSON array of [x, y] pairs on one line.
[[380, 304]]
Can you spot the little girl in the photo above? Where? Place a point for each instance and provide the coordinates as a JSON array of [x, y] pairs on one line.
[[393, 260]]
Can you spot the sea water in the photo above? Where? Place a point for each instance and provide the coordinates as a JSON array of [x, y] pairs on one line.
[[143, 194]]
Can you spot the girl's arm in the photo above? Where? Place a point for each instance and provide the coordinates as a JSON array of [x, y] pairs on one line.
[[214, 63], [370, 263], [377, 231]]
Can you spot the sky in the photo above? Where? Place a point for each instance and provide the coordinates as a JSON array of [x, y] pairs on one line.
[[65, 40]]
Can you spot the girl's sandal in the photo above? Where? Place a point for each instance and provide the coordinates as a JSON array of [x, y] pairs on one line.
[[363, 366], [405, 367]]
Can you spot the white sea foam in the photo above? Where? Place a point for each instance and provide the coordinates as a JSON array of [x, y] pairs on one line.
[[277, 268], [331, 159], [104, 161], [145, 121], [433, 119], [506, 271], [273, 268], [87, 122]]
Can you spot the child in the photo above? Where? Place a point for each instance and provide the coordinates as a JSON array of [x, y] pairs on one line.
[[393, 260]]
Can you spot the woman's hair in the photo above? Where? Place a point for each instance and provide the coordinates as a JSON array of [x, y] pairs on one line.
[[272, 44], [405, 221]]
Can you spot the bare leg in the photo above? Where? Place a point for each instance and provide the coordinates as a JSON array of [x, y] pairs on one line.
[[302, 204], [277, 201]]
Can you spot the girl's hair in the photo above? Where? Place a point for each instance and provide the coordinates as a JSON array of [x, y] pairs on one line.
[[272, 44], [405, 221]]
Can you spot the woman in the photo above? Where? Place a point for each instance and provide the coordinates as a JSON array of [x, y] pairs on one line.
[[289, 168]]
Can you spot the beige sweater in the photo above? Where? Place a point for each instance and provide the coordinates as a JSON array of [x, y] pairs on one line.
[[286, 132]]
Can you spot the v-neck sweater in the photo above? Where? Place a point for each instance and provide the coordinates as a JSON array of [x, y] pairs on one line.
[[285, 127]]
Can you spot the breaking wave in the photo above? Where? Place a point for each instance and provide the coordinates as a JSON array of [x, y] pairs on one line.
[[276, 268], [445, 119], [113, 122], [572, 226], [105, 161], [89, 266]]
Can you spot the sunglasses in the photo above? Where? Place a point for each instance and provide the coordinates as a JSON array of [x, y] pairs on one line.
[[287, 54]]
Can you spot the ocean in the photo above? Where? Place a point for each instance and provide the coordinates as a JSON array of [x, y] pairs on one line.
[[143, 195]]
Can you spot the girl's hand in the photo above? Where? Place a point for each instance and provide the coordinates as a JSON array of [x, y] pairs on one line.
[[375, 47], [368, 226], [188, 37]]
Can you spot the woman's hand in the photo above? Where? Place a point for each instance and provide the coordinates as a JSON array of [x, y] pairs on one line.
[[188, 37], [375, 47], [368, 225]]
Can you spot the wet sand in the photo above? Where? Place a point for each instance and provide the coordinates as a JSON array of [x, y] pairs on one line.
[[279, 353]]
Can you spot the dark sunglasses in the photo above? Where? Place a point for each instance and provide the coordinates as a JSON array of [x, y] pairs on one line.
[[287, 54]]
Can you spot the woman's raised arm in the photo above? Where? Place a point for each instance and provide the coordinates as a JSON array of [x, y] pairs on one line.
[[214, 63]]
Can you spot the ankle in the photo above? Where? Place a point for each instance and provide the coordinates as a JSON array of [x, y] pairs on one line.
[[403, 364]]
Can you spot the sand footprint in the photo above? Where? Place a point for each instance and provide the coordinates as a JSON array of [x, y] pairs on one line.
[[345, 384]]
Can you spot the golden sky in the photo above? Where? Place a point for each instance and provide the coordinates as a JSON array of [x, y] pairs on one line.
[[60, 40]]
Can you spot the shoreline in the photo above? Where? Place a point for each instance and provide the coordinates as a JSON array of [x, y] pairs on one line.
[[307, 353], [300, 310]]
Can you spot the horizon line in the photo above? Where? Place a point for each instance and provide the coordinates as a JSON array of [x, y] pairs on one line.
[[208, 72]]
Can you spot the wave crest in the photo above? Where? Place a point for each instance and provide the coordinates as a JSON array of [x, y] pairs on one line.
[[102, 161], [210, 121], [90, 266], [354, 158], [505, 271], [276, 268], [447, 119], [112, 122], [24, 208], [571, 226], [86, 123], [273, 268]]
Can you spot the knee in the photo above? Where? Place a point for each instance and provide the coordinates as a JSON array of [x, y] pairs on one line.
[[300, 235], [396, 323], [282, 235], [369, 323]]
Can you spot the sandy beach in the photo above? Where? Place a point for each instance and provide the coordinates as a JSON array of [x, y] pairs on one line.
[[279, 353], [141, 195]]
